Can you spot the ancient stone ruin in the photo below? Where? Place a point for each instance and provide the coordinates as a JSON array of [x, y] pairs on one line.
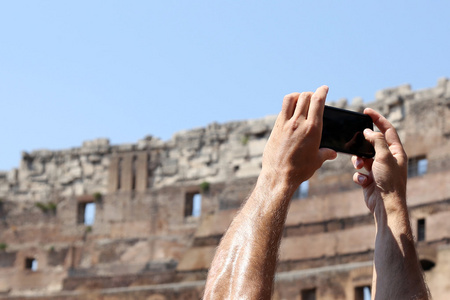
[[142, 221]]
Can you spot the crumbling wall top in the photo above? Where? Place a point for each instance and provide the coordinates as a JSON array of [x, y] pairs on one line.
[[215, 152]]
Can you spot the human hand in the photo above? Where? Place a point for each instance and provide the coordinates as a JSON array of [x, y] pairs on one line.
[[387, 171], [292, 151]]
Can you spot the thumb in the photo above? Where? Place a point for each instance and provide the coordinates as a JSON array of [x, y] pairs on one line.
[[326, 154], [377, 140]]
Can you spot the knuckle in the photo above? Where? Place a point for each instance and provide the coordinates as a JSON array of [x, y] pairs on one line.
[[378, 135], [310, 128], [290, 97], [305, 95], [316, 97], [294, 125]]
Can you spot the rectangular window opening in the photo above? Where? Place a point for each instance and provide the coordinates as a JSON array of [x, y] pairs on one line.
[[363, 292], [193, 205], [133, 173], [150, 178], [31, 264], [421, 230], [308, 294], [119, 174], [417, 166], [302, 191], [86, 213]]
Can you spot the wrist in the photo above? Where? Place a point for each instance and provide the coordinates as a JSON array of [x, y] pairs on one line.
[[392, 213], [394, 204], [273, 191], [278, 181]]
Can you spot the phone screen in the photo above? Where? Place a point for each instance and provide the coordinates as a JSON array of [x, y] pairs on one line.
[[343, 132]]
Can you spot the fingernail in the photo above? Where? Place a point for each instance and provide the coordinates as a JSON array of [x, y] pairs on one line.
[[360, 162], [355, 163], [361, 179]]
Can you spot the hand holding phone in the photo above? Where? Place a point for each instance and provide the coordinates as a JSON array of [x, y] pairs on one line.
[[342, 131]]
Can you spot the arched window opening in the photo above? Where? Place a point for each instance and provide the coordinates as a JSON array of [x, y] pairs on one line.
[[427, 264]]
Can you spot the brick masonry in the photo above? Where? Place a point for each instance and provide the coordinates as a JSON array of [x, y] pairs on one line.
[[145, 244]]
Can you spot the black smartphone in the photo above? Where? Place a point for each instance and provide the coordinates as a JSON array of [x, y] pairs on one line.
[[343, 132]]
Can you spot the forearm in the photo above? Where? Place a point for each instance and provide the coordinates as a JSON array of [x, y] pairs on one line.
[[245, 262], [396, 260]]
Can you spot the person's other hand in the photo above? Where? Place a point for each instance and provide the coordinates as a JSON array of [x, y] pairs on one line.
[[292, 151], [387, 171]]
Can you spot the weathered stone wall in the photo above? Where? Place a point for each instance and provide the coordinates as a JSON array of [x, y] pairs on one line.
[[144, 233]]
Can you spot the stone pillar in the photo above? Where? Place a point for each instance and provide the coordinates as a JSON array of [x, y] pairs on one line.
[[141, 165], [126, 172], [113, 174]]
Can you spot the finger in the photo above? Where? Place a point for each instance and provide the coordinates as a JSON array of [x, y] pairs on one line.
[[359, 163], [302, 105], [395, 145], [390, 135], [362, 179], [317, 105], [381, 122], [288, 107]]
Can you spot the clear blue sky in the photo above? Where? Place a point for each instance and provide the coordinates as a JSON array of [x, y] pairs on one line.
[[77, 70]]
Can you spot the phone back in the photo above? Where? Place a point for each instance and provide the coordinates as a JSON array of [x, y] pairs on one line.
[[343, 132]]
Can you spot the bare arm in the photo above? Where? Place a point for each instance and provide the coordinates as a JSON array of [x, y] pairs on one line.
[[397, 272], [245, 261]]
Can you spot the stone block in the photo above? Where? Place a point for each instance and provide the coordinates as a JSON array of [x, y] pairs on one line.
[[139, 253], [239, 149], [248, 169], [88, 170], [341, 103], [327, 244], [75, 172], [400, 90], [42, 154], [197, 259], [4, 188], [94, 158], [78, 189], [200, 172], [106, 161], [256, 147], [257, 127], [97, 143], [189, 139], [215, 224], [202, 159], [270, 121], [433, 225], [215, 135], [396, 113], [124, 147], [12, 176], [169, 167], [357, 102]]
